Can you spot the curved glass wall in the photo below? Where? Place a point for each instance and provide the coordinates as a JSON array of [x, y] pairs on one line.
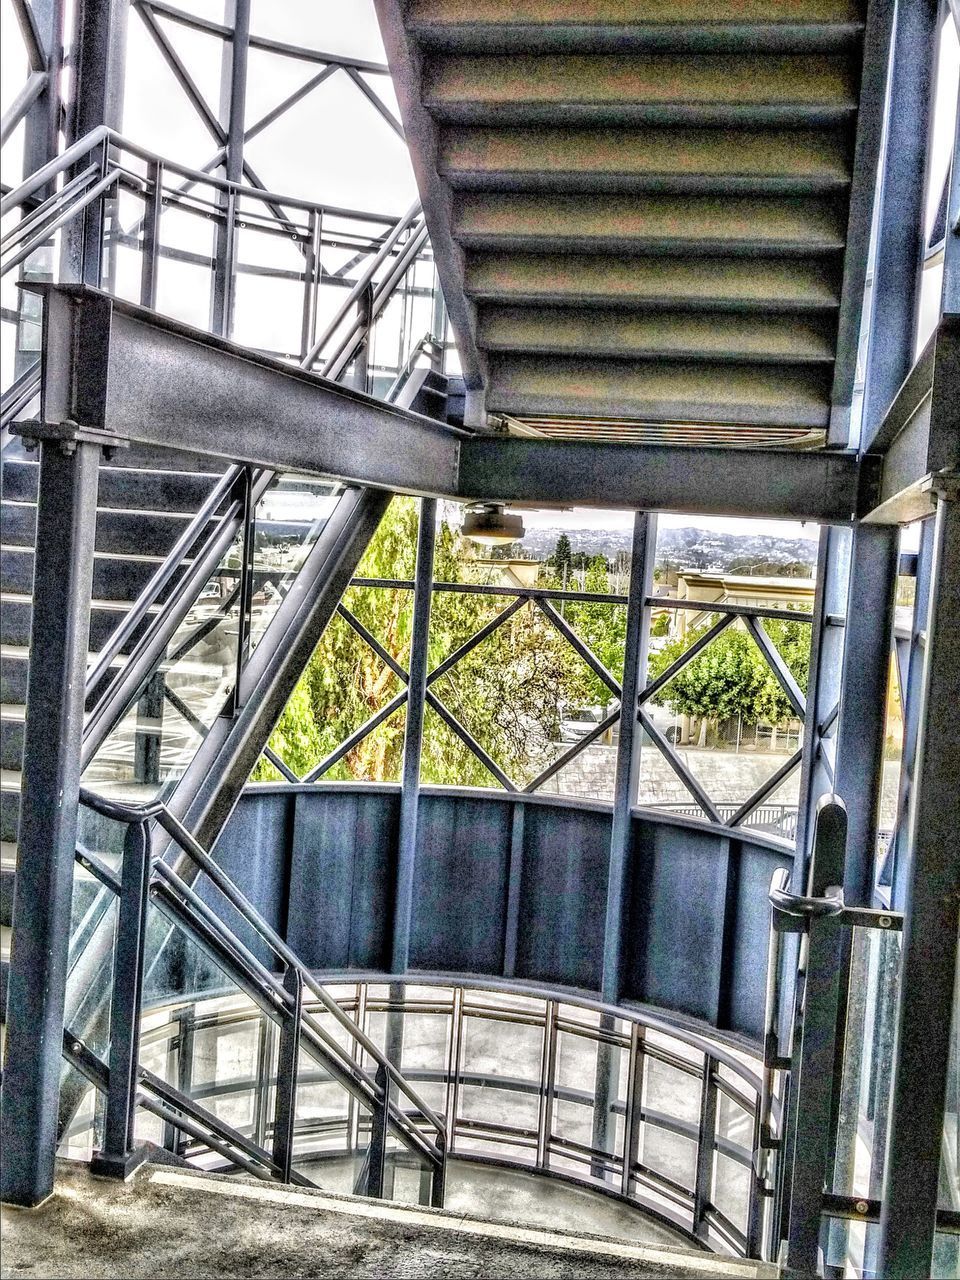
[[622, 1103]]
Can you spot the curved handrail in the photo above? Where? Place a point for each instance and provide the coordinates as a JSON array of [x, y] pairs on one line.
[[40, 177], [156, 810]]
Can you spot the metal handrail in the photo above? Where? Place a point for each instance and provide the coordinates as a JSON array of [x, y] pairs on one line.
[[150, 593], [798, 906], [157, 811], [40, 177], [428, 340]]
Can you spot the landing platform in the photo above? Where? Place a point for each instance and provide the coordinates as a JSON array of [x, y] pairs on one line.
[[169, 1222]]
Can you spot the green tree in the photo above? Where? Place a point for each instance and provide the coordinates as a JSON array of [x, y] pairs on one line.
[[730, 676], [508, 692]]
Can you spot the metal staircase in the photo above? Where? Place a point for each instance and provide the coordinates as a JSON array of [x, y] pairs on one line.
[[656, 213]]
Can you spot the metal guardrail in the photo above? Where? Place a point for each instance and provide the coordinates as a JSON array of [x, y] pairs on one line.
[[144, 877]]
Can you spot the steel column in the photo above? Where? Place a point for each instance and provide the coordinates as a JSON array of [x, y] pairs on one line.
[[66, 519], [628, 750], [930, 930], [413, 736], [100, 70], [863, 702]]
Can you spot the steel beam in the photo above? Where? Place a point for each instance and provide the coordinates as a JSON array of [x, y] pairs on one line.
[[718, 481], [47, 837], [899, 226], [918, 436], [929, 965], [162, 383], [413, 736], [643, 553], [212, 783]]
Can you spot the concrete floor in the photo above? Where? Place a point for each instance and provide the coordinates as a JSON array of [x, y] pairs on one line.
[[169, 1223]]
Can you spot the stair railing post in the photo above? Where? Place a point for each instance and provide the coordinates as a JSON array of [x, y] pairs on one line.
[[288, 1073], [119, 1156], [439, 1180], [811, 1094], [378, 1136]]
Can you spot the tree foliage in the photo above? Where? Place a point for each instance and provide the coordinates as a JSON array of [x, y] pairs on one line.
[[509, 692], [731, 676]]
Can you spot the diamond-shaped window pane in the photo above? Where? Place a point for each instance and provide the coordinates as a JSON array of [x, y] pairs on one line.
[[726, 714], [344, 685], [776, 814], [515, 692]]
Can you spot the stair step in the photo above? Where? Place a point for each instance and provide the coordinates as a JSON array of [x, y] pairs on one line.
[[170, 492], [9, 815], [792, 91], [671, 335], [698, 225], [660, 392], [472, 26], [16, 612], [703, 284], [120, 578], [118, 532], [664, 160]]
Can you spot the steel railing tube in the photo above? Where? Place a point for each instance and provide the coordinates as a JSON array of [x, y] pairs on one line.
[[77, 207], [34, 219], [383, 253], [237, 899], [148, 596], [65, 160]]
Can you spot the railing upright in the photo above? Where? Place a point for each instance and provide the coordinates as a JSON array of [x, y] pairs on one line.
[[288, 1075], [806, 1139], [118, 1156]]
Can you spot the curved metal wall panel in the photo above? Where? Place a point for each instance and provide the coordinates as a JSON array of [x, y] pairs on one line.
[[510, 886]]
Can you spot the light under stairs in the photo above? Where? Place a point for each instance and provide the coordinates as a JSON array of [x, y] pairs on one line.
[[645, 212]]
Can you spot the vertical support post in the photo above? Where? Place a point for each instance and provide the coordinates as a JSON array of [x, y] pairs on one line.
[[149, 730], [150, 252], [811, 1096], [118, 1157], [863, 700], [47, 837], [705, 1142], [606, 1078], [413, 736], [511, 930], [41, 139], [288, 1072], [312, 270], [361, 361], [817, 767], [628, 750], [930, 930], [439, 1180], [233, 108], [378, 1137], [98, 98]]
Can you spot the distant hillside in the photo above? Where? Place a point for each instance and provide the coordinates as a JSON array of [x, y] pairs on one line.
[[686, 548]]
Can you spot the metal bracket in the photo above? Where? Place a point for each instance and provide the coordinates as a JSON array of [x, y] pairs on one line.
[[69, 434], [945, 484]]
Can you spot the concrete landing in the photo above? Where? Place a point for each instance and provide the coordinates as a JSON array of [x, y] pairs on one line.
[[168, 1222]]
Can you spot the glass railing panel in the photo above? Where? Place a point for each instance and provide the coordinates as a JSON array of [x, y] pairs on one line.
[[157, 737], [288, 520], [671, 1114], [501, 1066], [868, 1057]]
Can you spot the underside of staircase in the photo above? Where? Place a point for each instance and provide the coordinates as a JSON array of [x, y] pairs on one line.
[[650, 219]]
